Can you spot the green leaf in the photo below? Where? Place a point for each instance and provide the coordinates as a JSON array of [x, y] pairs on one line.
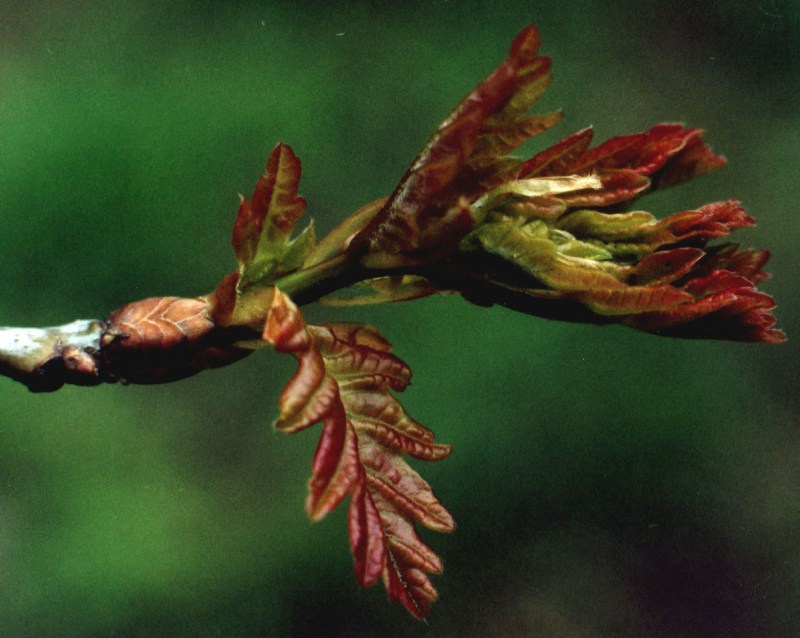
[[532, 247]]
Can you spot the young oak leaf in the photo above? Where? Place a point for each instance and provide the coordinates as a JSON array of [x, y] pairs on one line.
[[627, 165], [344, 377], [429, 211], [657, 276], [263, 244], [263, 227]]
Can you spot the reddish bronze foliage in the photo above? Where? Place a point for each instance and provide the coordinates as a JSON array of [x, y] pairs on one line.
[[428, 212], [275, 201], [159, 323], [343, 380], [475, 221], [553, 236], [163, 339], [627, 165]]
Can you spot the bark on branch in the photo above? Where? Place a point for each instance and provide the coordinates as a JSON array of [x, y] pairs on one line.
[[155, 340]]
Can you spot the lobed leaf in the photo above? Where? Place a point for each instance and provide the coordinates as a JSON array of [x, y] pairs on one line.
[[626, 267], [639, 232], [343, 380], [263, 228], [429, 211], [664, 155], [262, 241]]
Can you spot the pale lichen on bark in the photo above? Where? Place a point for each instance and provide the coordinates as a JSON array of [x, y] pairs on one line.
[[46, 358]]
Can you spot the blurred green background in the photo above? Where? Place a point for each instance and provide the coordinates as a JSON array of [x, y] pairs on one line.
[[605, 482]]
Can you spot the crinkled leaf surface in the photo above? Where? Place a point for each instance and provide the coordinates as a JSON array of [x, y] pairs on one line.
[[429, 212], [652, 275], [263, 243], [664, 155], [553, 236], [344, 378], [263, 227], [556, 229]]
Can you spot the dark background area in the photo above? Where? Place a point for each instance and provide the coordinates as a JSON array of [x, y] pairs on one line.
[[605, 482]]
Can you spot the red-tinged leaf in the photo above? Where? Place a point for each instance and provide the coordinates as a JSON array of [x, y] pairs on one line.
[[429, 211], [665, 266], [282, 169], [344, 378], [275, 200], [598, 267], [502, 137], [617, 186], [725, 306], [664, 155], [246, 231], [367, 542], [310, 394], [338, 240], [389, 475], [263, 245], [336, 469], [695, 158], [618, 152], [638, 232], [385, 421], [222, 301], [718, 281], [285, 327], [632, 300], [711, 221], [163, 339], [748, 262], [408, 561], [263, 227], [560, 157], [646, 153], [642, 152]]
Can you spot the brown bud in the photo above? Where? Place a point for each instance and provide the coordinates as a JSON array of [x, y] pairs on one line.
[[159, 323], [162, 339]]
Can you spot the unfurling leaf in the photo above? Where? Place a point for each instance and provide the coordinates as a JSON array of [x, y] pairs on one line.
[[666, 154], [263, 227], [553, 236], [344, 378], [262, 241], [429, 211], [629, 268]]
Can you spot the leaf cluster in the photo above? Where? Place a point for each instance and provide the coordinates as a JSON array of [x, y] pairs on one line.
[[554, 236]]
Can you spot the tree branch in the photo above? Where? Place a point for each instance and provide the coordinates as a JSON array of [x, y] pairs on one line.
[[160, 339], [44, 359]]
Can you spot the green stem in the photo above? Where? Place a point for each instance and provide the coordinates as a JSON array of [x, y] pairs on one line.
[[309, 284]]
